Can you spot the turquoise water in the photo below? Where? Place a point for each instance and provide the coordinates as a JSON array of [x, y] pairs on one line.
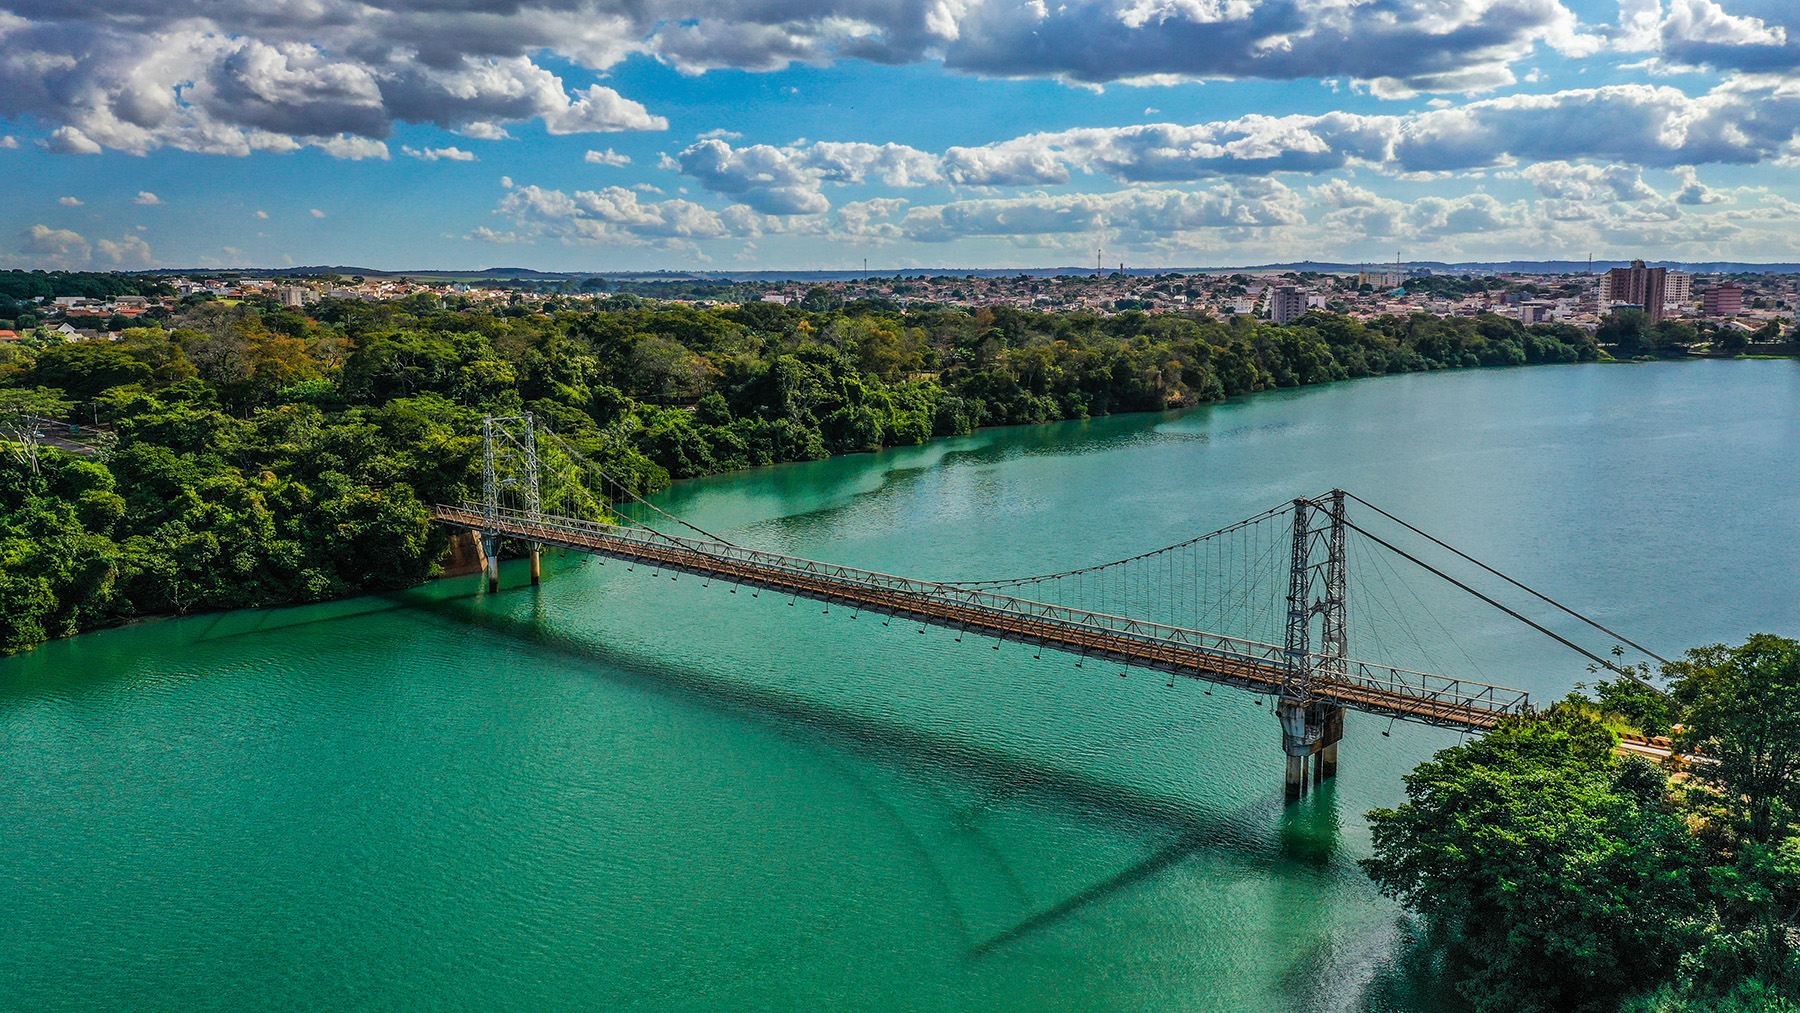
[[622, 792]]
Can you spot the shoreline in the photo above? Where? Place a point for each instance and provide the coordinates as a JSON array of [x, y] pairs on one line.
[[462, 557]]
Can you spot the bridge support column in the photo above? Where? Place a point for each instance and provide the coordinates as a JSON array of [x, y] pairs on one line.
[[1330, 721], [1309, 731], [537, 568], [490, 547], [1295, 788], [1299, 740]]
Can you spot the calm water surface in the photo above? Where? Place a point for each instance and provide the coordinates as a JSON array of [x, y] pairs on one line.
[[622, 792]]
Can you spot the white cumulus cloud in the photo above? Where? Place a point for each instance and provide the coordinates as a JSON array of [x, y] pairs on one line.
[[43, 246], [451, 154]]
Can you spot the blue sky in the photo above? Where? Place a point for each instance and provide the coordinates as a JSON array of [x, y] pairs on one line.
[[790, 134]]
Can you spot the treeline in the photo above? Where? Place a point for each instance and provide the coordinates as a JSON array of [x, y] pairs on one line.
[[1635, 334], [266, 457], [1556, 876], [20, 290]]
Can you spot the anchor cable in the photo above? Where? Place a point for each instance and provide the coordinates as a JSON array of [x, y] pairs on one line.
[[1621, 637], [1566, 642]]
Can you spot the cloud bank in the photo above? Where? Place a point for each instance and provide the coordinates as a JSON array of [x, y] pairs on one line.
[[235, 76]]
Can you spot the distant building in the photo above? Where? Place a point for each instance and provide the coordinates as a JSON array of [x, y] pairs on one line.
[[293, 295], [1536, 312], [1286, 303], [1637, 285], [1679, 290], [1726, 300]]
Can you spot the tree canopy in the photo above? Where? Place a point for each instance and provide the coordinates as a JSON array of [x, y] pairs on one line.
[[1557, 876], [265, 456]]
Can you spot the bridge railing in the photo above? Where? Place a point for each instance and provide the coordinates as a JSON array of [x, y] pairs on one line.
[[1137, 629], [1355, 685], [1429, 690]]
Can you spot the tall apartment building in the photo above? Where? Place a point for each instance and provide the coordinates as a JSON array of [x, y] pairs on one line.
[[1286, 303], [1726, 300], [1638, 285], [1679, 290]]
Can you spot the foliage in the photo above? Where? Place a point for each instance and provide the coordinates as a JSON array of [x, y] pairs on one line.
[[1554, 871], [1633, 696], [268, 457], [1751, 995], [1742, 710], [1560, 877], [22, 285]]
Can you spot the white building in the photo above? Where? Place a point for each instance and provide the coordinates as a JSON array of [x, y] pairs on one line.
[[1678, 288]]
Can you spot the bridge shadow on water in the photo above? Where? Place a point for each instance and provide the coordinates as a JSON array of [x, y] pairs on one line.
[[1264, 839]]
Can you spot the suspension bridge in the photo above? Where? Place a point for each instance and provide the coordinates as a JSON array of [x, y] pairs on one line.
[[1176, 609]]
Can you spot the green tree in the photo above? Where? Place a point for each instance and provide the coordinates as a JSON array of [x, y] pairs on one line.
[[1555, 875], [85, 370], [1743, 714], [1628, 328], [38, 402], [1732, 340]]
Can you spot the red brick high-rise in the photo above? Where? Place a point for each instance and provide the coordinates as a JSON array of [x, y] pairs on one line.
[[1637, 285], [1725, 301]]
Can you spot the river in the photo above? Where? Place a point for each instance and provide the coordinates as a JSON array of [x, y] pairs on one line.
[[622, 792]]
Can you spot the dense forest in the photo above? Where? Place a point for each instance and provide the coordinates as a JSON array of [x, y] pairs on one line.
[[265, 457], [1556, 876]]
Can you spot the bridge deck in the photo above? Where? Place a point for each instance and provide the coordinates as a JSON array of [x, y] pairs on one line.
[[1259, 668]]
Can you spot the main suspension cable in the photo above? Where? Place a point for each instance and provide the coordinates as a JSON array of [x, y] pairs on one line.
[[1040, 578]]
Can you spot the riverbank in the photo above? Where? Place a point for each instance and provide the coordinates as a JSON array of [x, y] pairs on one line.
[[312, 483]]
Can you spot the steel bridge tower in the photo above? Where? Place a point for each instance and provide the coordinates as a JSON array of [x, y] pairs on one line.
[[1316, 597], [509, 461]]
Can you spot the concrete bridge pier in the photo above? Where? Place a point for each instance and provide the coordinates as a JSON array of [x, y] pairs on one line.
[[537, 568], [1309, 731], [490, 548], [1330, 719], [1299, 740]]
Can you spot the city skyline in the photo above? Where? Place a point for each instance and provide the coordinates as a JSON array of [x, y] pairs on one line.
[[569, 135]]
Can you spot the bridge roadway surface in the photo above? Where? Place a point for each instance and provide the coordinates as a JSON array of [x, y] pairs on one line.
[[1256, 667]]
